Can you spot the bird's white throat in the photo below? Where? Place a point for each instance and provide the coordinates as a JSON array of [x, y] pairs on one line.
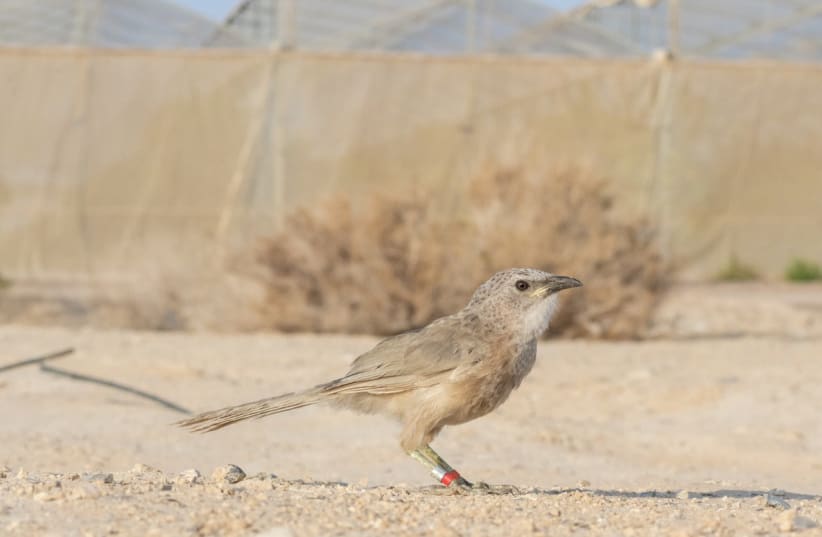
[[538, 318]]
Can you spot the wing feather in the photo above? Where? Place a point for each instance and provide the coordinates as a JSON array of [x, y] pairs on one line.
[[406, 361]]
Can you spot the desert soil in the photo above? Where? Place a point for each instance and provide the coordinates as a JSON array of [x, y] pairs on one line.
[[703, 437]]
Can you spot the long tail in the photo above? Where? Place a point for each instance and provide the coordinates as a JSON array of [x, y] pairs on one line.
[[373, 382], [217, 419]]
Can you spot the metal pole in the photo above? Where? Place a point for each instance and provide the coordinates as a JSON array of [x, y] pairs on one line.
[[286, 22], [470, 25], [79, 30], [673, 28]]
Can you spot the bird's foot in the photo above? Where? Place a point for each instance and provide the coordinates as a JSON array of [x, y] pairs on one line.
[[461, 483], [464, 485], [453, 481], [484, 488]]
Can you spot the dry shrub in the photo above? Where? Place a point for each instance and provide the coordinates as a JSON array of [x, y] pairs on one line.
[[337, 270], [401, 261]]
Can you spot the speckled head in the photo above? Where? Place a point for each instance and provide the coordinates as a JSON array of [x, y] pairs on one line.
[[520, 300]]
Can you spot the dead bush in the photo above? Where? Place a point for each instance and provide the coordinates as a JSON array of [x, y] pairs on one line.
[[401, 261]]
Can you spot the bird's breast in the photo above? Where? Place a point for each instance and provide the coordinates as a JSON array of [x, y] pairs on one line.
[[487, 384]]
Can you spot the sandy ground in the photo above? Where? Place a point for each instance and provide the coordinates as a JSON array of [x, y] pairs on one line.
[[652, 438]]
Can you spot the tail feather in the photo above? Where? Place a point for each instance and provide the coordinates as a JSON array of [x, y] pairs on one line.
[[373, 384], [217, 419]]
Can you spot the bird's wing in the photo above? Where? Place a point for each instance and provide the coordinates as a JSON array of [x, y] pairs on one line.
[[408, 360]]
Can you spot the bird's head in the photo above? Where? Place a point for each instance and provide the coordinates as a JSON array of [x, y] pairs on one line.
[[520, 300]]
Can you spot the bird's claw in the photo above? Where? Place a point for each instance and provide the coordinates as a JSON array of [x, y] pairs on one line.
[[467, 486], [463, 485]]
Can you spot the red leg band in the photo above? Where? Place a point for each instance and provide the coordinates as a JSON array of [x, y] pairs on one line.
[[449, 477]]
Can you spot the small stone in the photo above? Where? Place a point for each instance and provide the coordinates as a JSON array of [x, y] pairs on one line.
[[4, 472], [229, 473], [786, 520], [141, 468], [190, 477], [48, 496], [684, 495], [804, 523], [773, 499], [791, 520], [32, 478], [100, 478]]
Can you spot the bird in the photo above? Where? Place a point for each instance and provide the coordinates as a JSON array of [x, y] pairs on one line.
[[453, 370]]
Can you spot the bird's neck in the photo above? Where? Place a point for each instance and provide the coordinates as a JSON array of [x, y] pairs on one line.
[[493, 324], [535, 322]]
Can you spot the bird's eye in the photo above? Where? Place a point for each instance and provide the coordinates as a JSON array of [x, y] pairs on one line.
[[522, 285]]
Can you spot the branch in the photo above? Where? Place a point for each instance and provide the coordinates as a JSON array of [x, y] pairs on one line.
[[37, 359], [117, 386]]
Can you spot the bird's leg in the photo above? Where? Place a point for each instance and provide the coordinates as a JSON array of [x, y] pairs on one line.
[[440, 469]]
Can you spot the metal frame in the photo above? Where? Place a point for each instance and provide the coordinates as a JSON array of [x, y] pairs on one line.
[[598, 28]]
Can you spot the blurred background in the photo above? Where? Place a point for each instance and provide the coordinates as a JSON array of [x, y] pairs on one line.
[[361, 166]]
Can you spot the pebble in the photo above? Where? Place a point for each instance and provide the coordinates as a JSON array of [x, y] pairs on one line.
[[773, 499], [189, 477], [787, 519], [49, 496], [228, 473], [100, 478], [21, 474], [141, 468], [790, 520], [320, 508]]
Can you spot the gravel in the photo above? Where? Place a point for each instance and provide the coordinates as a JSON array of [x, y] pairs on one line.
[[140, 503]]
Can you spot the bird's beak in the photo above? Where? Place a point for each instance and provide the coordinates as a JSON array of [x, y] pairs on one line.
[[558, 283]]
